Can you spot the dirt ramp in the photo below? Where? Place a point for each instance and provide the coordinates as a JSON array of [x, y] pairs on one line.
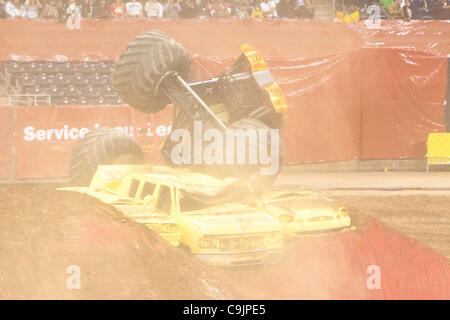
[[336, 267], [44, 232]]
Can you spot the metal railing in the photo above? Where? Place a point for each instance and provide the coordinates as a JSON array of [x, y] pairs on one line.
[[15, 100]]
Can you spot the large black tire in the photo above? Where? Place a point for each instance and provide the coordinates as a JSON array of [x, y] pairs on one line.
[[140, 67], [101, 147], [249, 172]]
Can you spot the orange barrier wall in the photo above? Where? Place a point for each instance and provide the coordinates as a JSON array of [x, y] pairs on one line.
[[106, 39], [6, 143], [353, 93], [402, 101]]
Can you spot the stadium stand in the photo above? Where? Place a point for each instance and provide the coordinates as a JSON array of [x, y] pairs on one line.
[[58, 83]]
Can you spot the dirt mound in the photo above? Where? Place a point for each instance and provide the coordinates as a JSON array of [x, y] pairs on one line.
[[424, 217], [338, 266], [44, 232]]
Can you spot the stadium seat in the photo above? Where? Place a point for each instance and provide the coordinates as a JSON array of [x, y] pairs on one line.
[[33, 68], [438, 149], [55, 91], [89, 92], [79, 80]]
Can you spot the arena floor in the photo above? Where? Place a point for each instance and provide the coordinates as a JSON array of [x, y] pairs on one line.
[[64, 228]]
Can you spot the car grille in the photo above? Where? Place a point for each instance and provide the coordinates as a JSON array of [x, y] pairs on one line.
[[320, 218], [241, 243]]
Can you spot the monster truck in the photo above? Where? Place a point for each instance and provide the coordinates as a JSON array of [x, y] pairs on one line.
[[200, 212], [153, 72]]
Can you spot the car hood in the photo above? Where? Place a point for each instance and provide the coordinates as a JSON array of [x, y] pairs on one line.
[[306, 203], [231, 219], [145, 214]]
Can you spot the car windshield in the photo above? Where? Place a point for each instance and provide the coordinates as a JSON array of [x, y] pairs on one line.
[[193, 202]]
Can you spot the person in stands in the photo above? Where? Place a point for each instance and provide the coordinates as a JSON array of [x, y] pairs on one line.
[[269, 9], [188, 9], [53, 9], [153, 9], [134, 9], [172, 9], [303, 9], [257, 13], [32, 8], [86, 9], [101, 10], [395, 10], [14, 9], [117, 9]]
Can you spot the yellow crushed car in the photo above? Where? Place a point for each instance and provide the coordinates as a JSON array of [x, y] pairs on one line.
[[303, 212], [137, 210], [203, 210]]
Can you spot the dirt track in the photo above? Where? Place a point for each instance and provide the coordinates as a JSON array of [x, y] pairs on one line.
[[42, 232], [422, 216]]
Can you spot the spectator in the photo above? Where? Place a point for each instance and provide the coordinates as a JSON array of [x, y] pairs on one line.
[[86, 9], [117, 9], [303, 9], [73, 9], [32, 8], [407, 11], [172, 9], [241, 13], [269, 9], [53, 9], [395, 10], [188, 9], [14, 9], [101, 10], [350, 14], [153, 9], [387, 3], [286, 9], [220, 9], [257, 13], [203, 11], [2, 9], [134, 9], [235, 5], [419, 8], [441, 10]]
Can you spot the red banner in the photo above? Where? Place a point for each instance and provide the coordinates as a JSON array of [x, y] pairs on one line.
[[46, 136], [403, 101]]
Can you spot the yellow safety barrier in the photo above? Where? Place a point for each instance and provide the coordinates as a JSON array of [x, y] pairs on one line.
[[438, 149]]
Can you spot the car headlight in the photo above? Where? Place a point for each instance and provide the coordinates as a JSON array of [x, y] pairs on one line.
[[208, 243], [343, 211], [286, 218], [168, 227]]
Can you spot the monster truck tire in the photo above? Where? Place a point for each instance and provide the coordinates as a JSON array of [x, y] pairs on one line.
[[101, 147], [250, 172], [140, 67]]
